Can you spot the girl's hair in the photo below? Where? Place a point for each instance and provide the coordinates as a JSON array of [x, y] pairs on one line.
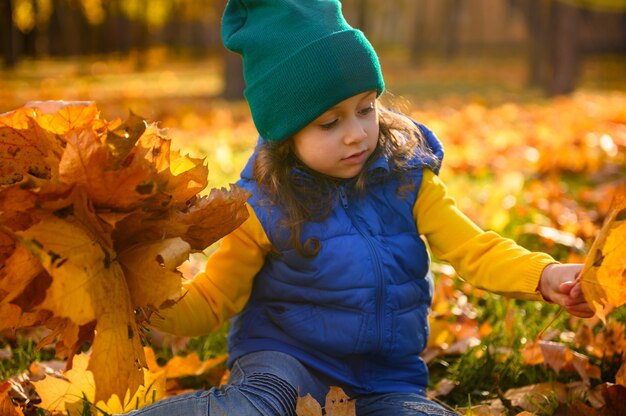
[[278, 173]]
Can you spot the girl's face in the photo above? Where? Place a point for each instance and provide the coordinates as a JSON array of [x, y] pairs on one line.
[[339, 142]]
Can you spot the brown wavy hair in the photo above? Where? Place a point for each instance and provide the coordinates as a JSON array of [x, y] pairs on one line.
[[276, 172]]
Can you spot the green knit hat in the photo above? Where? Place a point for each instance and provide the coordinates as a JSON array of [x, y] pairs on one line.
[[300, 57]]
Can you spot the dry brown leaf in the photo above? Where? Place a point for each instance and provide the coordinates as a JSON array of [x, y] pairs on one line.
[[308, 406], [604, 274], [555, 355], [338, 403], [443, 388], [531, 397], [615, 398]]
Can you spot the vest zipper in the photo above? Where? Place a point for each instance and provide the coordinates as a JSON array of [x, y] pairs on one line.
[[380, 301]]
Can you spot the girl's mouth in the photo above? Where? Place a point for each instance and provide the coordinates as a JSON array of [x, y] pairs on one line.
[[356, 158]]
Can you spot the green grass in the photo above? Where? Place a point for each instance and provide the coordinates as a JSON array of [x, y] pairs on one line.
[[23, 354]]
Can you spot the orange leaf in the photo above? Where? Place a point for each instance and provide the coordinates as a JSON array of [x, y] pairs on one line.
[[109, 183], [308, 406], [59, 117], [190, 365], [531, 354], [604, 274], [338, 403], [6, 405], [25, 149], [201, 224]]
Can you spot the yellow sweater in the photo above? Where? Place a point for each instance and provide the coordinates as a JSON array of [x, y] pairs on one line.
[[484, 259]]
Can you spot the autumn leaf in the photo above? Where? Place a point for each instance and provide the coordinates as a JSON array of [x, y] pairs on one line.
[[66, 393], [59, 117], [109, 183], [6, 406], [338, 403], [191, 365], [85, 271], [308, 406], [604, 273], [30, 149], [153, 261], [559, 357]]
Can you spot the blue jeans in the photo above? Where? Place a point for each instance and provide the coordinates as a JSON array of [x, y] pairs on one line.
[[267, 383]]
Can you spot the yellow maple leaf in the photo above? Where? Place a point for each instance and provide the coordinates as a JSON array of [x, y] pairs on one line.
[[59, 117], [603, 278], [66, 394], [85, 271], [78, 383]]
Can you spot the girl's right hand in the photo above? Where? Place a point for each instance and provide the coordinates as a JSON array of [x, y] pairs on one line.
[[560, 284]]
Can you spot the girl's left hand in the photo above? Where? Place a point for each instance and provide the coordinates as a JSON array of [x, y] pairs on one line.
[[560, 284]]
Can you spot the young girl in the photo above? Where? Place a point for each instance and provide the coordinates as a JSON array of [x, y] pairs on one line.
[[327, 282]]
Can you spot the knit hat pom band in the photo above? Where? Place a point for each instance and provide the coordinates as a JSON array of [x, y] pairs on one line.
[[292, 82]]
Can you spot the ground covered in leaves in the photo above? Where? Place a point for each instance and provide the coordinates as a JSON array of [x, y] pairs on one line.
[[540, 171]]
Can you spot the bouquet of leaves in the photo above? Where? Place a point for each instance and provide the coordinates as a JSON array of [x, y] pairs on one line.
[[95, 218]]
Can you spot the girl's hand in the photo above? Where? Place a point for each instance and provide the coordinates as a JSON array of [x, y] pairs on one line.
[[560, 284]]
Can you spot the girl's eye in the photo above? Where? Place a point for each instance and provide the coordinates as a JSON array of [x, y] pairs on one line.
[[328, 126], [365, 111]]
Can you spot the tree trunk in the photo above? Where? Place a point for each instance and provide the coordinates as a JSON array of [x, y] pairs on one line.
[[362, 15], [451, 46], [8, 34], [234, 83], [537, 42], [564, 48], [418, 36]]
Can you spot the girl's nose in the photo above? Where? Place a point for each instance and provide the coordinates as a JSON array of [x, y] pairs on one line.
[[355, 131]]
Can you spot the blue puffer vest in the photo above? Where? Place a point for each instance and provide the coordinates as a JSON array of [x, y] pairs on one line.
[[356, 312]]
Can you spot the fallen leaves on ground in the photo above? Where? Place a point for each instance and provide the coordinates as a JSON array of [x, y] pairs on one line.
[[67, 392]]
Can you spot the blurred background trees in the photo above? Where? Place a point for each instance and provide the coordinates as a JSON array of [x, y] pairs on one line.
[[555, 35]]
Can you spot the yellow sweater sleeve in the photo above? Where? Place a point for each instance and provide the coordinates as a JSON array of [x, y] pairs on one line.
[[223, 288], [482, 258]]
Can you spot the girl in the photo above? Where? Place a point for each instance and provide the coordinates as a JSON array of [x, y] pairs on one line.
[[327, 281]]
